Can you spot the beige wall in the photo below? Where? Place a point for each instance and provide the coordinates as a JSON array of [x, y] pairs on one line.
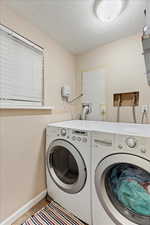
[[22, 136], [125, 72]]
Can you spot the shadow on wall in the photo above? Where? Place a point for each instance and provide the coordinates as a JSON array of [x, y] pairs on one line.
[[40, 166]]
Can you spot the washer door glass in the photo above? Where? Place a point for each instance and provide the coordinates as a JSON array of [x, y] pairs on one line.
[[123, 187], [66, 166], [128, 187]]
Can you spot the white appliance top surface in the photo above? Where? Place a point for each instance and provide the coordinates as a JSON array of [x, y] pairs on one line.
[[142, 130]]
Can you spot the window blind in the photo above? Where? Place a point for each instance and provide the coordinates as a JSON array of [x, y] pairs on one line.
[[21, 71]]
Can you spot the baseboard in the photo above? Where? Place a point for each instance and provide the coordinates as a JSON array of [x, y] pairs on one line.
[[24, 209]]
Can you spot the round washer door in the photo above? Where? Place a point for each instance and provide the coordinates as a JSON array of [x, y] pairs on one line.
[[66, 166], [122, 184]]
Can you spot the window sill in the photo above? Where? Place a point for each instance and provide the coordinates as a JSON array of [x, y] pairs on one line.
[[28, 107]]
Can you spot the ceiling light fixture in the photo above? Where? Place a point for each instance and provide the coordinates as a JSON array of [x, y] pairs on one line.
[[108, 10]]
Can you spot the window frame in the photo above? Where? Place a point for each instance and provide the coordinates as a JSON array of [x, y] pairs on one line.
[[6, 104]]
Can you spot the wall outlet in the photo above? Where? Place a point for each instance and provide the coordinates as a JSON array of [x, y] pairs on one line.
[[145, 108]]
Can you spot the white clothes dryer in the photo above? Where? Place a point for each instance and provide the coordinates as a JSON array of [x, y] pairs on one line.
[[120, 179], [68, 166]]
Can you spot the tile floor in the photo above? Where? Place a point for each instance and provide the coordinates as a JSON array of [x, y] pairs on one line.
[[33, 210]]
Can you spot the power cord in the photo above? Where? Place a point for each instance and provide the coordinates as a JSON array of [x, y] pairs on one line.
[[133, 109], [74, 99], [118, 108], [144, 114], [70, 102]]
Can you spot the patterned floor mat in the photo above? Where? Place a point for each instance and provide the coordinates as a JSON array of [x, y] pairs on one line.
[[53, 214]]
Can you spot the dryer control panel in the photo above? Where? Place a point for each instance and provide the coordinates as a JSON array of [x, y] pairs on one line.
[[133, 144]]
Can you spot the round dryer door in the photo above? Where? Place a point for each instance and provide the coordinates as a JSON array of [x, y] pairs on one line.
[[66, 166], [123, 187]]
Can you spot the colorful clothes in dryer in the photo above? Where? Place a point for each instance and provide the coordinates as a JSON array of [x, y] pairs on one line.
[[131, 185]]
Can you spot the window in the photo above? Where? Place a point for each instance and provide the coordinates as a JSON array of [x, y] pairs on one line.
[[21, 71]]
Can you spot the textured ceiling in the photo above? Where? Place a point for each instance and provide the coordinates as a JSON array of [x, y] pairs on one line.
[[74, 24]]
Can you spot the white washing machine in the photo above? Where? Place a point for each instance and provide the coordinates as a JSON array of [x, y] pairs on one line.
[[68, 166], [120, 179]]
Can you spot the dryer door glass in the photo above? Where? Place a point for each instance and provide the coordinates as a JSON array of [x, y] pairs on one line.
[[64, 165], [128, 188], [122, 184]]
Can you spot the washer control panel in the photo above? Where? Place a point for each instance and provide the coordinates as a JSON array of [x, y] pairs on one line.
[[73, 135], [79, 136]]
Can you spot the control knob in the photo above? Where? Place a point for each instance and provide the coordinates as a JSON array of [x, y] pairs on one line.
[[143, 149], [63, 132], [120, 146], [78, 139], [131, 142], [84, 140]]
